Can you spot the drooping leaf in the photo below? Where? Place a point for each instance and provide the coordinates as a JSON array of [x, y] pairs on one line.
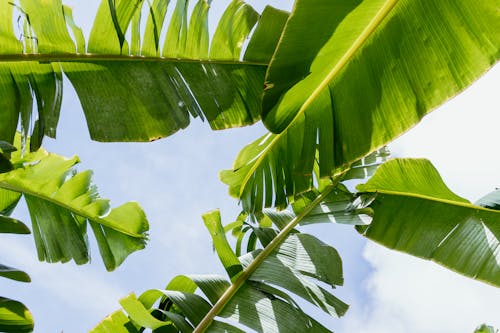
[[14, 274], [146, 91], [62, 201], [347, 77], [261, 298], [264, 176], [416, 213], [14, 317], [9, 225]]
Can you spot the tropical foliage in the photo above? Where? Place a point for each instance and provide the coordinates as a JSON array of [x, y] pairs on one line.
[[252, 295], [265, 276], [186, 77], [333, 81], [341, 85]]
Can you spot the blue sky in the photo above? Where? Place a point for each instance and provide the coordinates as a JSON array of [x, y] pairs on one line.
[[175, 180]]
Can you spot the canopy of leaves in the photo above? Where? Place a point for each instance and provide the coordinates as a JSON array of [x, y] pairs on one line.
[[348, 77]]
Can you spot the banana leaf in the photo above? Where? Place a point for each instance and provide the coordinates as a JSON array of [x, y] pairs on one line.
[[61, 202], [416, 213], [144, 89]]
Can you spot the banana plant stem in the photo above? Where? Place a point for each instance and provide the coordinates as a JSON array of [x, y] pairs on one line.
[[246, 273]]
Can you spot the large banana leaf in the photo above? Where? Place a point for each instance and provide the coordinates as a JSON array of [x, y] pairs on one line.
[[414, 212], [349, 76], [61, 202], [135, 90], [257, 296]]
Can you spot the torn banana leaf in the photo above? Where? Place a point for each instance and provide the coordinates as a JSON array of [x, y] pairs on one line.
[[144, 89], [62, 202]]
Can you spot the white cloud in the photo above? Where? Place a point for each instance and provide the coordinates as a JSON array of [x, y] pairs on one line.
[[77, 289], [414, 296]]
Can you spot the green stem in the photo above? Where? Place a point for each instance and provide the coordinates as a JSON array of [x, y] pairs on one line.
[[246, 273]]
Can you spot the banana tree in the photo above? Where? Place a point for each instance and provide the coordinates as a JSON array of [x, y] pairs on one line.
[[393, 53], [333, 82]]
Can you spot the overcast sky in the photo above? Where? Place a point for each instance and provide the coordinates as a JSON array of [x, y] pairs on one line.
[[175, 180]]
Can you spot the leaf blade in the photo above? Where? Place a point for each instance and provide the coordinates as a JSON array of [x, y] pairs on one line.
[[433, 226]]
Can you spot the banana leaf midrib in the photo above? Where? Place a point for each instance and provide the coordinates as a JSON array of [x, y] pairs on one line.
[[77, 211], [92, 57], [250, 269], [430, 198], [357, 45]]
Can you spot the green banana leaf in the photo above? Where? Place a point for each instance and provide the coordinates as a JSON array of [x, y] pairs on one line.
[[348, 77], [14, 317], [14, 274], [260, 294], [415, 212], [61, 202], [146, 90]]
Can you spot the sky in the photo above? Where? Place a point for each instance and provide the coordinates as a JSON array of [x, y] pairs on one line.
[[175, 180]]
